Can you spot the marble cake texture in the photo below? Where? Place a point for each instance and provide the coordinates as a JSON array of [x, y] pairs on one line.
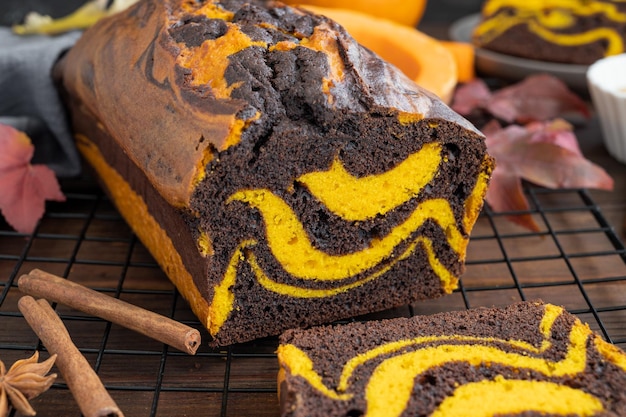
[[280, 174]]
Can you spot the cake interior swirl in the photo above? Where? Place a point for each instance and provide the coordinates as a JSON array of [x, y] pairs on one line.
[[570, 32], [529, 358], [281, 174]]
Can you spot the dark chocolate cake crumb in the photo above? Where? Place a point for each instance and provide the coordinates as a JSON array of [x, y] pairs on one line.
[[217, 115]]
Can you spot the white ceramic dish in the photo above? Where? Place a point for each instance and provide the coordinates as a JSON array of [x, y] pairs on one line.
[[512, 68], [607, 86]]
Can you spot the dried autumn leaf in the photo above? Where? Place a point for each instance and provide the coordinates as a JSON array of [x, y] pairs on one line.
[[546, 154], [539, 97], [25, 380], [16, 149], [471, 96], [506, 194], [558, 132], [24, 188]]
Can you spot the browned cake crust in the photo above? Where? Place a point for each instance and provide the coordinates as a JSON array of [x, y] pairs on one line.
[[228, 125]]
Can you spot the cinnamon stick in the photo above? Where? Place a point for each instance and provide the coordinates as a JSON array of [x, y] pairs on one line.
[[53, 288], [85, 385]]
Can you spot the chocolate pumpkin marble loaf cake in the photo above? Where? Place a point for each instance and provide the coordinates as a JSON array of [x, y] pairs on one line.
[[530, 359], [281, 174], [566, 31]]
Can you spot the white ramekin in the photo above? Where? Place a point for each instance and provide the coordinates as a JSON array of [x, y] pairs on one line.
[[607, 86]]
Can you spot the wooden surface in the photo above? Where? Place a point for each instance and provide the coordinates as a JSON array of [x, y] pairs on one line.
[[572, 262]]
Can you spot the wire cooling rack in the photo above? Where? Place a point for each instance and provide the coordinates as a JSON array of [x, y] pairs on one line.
[[576, 260]]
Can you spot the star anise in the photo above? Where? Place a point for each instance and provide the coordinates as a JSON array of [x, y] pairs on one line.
[[25, 380]]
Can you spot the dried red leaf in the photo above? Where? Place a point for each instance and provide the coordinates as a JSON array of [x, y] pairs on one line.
[[545, 151], [16, 149], [557, 131], [505, 194], [546, 154], [24, 188], [471, 96], [539, 97]]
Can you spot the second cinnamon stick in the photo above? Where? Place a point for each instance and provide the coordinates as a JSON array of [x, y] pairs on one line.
[[85, 385], [53, 288]]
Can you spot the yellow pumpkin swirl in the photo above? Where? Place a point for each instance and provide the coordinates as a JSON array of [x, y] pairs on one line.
[[373, 195], [390, 384], [550, 20]]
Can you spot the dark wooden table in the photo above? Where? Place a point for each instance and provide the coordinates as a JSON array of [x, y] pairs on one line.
[[577, 260]]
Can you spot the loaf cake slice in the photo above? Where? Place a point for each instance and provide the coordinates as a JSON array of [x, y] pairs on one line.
[[530, 359], [281, 174], [569, 32]]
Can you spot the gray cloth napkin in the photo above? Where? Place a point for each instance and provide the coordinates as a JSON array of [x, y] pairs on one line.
[[29, 100]]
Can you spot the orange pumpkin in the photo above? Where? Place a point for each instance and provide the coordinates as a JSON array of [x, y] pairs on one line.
[[464, 55], [406, 12]]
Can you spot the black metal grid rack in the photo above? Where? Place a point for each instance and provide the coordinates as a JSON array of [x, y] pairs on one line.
[[576, 260]]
